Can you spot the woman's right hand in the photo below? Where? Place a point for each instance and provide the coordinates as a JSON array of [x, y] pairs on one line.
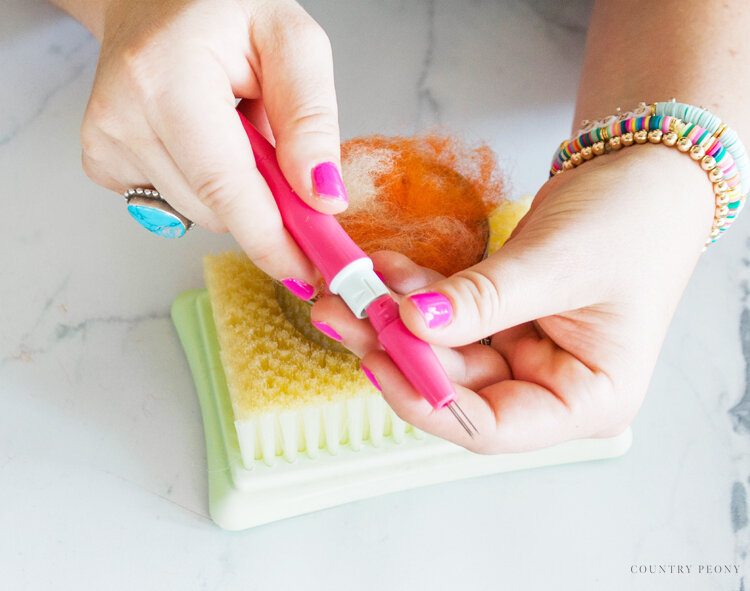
[[162, 114]]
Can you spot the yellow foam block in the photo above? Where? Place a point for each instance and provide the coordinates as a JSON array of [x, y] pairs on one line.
[[292, 426], [269, 365]]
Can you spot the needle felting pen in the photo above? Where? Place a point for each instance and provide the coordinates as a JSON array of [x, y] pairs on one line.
[[349, 273]]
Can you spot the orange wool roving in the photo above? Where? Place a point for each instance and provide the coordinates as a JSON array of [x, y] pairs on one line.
[[427, 197]]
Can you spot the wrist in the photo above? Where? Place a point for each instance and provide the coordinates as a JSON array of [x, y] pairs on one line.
[[662, 182], [706, 138]]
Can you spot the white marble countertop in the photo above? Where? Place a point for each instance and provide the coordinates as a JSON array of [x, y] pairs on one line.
[[102, 458]]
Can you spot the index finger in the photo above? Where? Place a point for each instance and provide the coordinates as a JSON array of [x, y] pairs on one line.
[[202, 132]]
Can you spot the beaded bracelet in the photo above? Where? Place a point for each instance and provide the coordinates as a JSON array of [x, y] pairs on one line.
[[714, 126], [715, 156], [689, 114]]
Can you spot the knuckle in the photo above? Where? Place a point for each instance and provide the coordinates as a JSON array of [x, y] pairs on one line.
[[480, 291], [218, 192], [311, 36], [91, 170], [314, 119], [140, 69], [301, 31], [612, 406], [589, 395], [91, 143], [98, 108], [263, 252], [101, 122], [99, 176], [98, 119], [297, 37]]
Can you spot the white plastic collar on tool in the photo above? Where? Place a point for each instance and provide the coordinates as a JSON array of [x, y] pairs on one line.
[[358, 286]]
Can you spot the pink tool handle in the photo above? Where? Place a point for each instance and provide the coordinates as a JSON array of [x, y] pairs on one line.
[[331, 249], [414, 357], [319, 235]]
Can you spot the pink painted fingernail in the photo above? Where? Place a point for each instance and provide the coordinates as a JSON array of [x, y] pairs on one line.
[[435, 308], [301, 289], [327, 182], [327, 330], [370, 377]]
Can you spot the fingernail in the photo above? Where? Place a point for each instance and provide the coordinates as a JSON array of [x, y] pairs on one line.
[[435, 308], [301, 289], [370, 377], [326, 330], [327, 182]]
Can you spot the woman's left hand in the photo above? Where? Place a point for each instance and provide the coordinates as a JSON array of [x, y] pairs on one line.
[[577, 304]]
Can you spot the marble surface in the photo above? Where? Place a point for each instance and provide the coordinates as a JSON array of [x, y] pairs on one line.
[[102, 459]]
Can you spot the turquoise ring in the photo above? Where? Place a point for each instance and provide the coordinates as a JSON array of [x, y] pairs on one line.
[[149, 209]]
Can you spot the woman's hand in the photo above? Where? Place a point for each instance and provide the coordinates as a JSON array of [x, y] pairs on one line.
[[577, 302], [162, 114]]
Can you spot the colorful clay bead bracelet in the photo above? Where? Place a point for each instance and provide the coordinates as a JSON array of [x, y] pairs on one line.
[[641, 111], [690, 114], [714, 126], [697, 135], [702, 146]]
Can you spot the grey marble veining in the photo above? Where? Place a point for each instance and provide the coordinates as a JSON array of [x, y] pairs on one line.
[[429, 107], [102, 458]]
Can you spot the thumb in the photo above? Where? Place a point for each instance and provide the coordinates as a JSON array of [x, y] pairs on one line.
[[526, 279], [300, 100]]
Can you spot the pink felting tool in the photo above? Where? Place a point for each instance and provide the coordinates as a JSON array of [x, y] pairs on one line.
[[349, 273]]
